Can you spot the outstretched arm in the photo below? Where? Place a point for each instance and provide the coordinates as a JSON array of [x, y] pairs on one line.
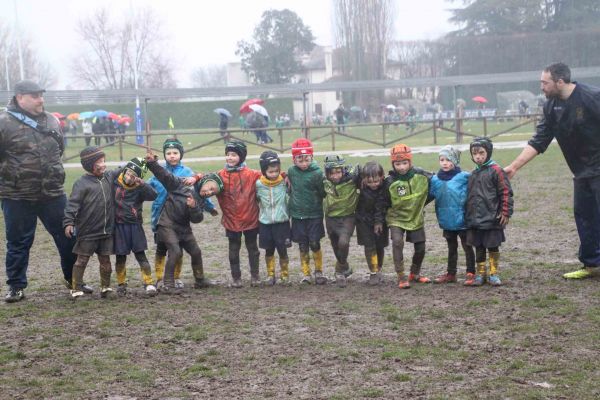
[[528, 154]]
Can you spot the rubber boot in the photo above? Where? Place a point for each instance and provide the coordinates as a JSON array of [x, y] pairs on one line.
[[372, 260], [159, 267]]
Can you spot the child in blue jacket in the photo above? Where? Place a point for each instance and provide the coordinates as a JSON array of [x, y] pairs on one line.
[[173, 153], [449, 189]]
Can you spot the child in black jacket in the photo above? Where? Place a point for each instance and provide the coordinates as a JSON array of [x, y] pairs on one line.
[[182, 207], [130, 192], [89, 215], [489, 207], [371, 229]]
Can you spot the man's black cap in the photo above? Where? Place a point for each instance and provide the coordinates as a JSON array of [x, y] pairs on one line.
[[28, 87]]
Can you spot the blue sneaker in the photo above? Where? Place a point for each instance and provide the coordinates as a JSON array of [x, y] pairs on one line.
[[494, 280], [479, 280]]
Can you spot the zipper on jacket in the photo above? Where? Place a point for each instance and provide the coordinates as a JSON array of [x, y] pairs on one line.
[[104, 196]]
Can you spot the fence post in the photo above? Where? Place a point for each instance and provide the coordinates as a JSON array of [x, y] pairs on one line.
[[383, 129], [434, 130], [280, 139], [332, 138], [120, 149], [485, 130]]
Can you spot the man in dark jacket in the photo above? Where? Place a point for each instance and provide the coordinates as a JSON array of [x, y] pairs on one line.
[[31, 184], [572, 117]]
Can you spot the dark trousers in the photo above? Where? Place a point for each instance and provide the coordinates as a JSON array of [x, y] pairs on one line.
[[176, 244], [587, 218], [20, 220], [452, 239], [235, 245]]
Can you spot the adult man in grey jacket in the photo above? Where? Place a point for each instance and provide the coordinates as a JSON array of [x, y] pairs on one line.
[[31, 184]]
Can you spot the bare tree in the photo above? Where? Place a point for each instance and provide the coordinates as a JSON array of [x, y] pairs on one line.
[[363, 30], [120, 49], [210, 76], [34, 67]]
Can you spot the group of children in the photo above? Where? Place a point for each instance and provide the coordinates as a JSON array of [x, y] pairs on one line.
[[271, 209]]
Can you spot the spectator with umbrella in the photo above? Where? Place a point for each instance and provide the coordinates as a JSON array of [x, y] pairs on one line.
[[224, 116]]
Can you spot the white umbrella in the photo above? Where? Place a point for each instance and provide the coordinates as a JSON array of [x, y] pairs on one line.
[[390, 107], [259, 109], [222, 111]]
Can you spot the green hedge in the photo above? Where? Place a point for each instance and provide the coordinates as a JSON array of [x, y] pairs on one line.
[[186, 115]]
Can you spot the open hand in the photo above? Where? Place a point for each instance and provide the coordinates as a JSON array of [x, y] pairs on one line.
[[503, 219]]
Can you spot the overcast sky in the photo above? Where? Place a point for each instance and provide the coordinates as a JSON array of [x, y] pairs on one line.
[[201, 32]]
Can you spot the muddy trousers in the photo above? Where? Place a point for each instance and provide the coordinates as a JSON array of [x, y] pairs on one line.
[[305, 249], [284, 261], [175, 253], [398, 253], [79, 270], [160, 259], [452, 240], [340, 230], [480, 255], [235, 245], [145, 269]]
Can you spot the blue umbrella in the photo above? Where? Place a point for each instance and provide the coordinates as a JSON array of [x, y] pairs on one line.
[[222, 111], [100, 113], [86, 115]]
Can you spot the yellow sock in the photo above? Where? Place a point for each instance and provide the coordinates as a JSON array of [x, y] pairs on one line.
[[481, 268], [284, 266], [159, 266], [121, 271], [318, 257], [305, 263], [494, 262], [178, 266], [270, 261]]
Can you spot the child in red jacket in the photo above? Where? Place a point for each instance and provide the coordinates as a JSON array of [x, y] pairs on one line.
[[236, 192]]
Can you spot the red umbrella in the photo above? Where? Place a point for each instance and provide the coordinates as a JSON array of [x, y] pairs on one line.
[[245, 108], [479, 99], [58, 115], [124, 120], [112, 115]]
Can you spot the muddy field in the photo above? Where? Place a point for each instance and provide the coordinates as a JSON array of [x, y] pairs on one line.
[[535, 337]]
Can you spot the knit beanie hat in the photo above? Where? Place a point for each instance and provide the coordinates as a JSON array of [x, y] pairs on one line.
[[302, 147], [401, 152], [237, 147], [451, 153], [211, 177], [137, 166], [89, 156], [268, 158], [173, 143]]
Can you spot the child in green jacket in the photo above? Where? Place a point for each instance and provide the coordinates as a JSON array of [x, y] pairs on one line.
[[406, 191], [306, 208], [274, 218], [341, 188]]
